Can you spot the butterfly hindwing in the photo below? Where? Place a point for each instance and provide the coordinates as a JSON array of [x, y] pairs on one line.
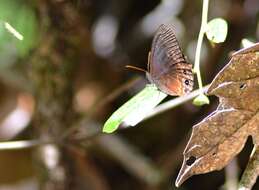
[[168, 68]]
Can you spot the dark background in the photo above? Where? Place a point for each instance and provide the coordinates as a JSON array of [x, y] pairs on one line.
[[75, 74]]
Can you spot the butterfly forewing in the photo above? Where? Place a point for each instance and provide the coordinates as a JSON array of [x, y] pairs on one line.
[[168, 67]]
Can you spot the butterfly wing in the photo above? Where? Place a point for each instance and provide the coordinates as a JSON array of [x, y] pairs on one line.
[[168, 68]]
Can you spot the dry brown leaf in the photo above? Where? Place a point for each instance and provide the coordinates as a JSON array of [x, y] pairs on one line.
[[222, 134]]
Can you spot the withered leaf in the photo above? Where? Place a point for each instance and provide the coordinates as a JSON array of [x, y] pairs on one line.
[[222, 134]]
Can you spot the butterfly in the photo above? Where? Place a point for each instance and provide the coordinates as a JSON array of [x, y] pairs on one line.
[[167, 66]]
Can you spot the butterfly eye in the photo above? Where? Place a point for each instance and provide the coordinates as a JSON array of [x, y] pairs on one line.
[[187, 82]]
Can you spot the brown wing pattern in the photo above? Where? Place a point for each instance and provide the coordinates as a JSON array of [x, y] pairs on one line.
[[168, 68]]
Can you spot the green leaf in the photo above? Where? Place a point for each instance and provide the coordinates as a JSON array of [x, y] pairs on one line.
[[133, 111], [247, 43], [217, 30], [201, 100], [26, 24]]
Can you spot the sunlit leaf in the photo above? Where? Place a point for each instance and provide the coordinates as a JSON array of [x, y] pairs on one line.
[[222, 135], [217, 30], [201, 100], [246, 43], [133, 111]]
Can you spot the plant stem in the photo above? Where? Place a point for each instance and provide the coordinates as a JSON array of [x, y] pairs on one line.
[[251, 172], [22, 144], [175, 102], [199, 43]]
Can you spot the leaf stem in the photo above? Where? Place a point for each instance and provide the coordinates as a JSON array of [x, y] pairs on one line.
[[175, 102], [199, 43]]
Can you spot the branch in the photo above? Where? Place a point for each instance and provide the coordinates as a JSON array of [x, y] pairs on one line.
[[251, 172], [175, 102], [22, 144]]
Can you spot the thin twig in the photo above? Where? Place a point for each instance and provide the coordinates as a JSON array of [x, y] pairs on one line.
[[175, 102], [199, 43], [22, 144], [251, 172], [114, 94]]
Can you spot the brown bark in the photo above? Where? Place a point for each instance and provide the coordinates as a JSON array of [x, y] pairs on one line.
[[52, 75]]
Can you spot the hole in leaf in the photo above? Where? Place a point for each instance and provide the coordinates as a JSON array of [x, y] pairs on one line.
[[190, 160], [242, 86]]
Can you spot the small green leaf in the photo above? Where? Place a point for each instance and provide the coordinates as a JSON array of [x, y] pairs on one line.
[[201, 100], [217, 30], [134, 110], [247, 43]]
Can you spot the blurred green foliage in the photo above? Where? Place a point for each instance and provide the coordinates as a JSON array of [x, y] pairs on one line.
[[22, 17], [134, 110]]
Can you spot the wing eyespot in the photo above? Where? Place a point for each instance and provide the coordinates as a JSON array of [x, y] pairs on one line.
[[187, 82]]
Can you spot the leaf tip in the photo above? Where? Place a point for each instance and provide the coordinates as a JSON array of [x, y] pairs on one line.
[[177, 184], [110, 127]]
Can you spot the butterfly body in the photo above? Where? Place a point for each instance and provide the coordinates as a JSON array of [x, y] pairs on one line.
[[167, 67]]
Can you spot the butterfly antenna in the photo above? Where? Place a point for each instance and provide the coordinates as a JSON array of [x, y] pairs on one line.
[[135, 68]]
